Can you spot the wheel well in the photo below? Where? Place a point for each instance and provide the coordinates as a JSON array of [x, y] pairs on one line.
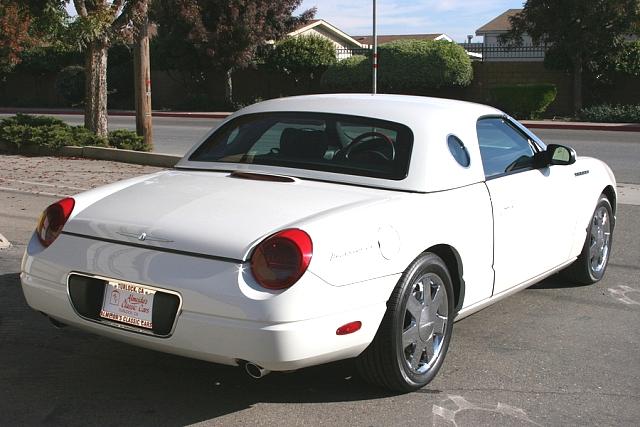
[[452, 259], [611, 195]]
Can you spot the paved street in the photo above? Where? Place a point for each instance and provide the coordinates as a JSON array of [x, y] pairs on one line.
[[555, 354]]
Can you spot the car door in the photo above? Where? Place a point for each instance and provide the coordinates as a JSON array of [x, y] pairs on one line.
[[532, 216]]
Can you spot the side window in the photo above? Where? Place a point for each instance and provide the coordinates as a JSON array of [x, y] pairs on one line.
[[503, 148]]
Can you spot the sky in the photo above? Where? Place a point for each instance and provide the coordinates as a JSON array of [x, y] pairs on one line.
[[456, 18]]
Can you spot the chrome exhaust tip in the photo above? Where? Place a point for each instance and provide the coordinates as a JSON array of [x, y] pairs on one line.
[[255, 371]]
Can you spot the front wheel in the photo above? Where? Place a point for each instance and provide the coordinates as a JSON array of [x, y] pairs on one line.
[[592, 262], [414, 335]]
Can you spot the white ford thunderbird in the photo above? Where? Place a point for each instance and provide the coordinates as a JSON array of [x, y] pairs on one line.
[[311, 229]]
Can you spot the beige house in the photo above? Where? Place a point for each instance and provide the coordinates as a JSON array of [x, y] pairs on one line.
[[344, 43], [493, 51]]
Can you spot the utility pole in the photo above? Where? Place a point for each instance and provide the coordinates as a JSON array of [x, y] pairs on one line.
[[375, 51], [142, 76]]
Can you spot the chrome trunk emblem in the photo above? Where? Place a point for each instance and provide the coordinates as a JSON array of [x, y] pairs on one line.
[[144, 237]]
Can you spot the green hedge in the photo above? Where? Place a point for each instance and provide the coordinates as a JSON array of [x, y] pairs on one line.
[[417, 66], [611, 114], [405, 66], [302, 56], [24, 132], [523, 101], [352, 74]]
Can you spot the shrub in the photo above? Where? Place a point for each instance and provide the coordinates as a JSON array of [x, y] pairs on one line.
[[69, 84], [525, 101], [352, 74], [406, 66], [54, 137], [303, 57], [23, 131], [416, 66], [29, 120], [80, 135], [611, 113], [127, 140]]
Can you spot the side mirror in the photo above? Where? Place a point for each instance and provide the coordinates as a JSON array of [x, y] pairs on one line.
[[560, 155]]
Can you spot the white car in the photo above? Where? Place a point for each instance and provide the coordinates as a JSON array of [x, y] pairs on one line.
[[317, 228]]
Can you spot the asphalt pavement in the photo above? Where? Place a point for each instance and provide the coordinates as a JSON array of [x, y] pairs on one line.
[[554, 354]]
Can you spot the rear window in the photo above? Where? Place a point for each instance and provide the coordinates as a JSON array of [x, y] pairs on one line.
[[316, 141]]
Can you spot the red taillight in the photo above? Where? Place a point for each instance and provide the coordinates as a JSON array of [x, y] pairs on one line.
[[53, 219], [281, 259]]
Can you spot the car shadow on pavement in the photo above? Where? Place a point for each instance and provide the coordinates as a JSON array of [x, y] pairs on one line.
[[66, 376], [557, 282]]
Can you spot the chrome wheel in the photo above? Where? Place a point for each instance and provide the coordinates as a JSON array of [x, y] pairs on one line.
[[425, 323], [412, 340], [599, 240]]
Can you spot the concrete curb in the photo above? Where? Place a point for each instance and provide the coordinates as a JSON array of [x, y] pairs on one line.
[[125, 156], [98, 153]]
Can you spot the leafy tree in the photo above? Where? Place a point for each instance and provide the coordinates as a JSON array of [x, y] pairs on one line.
[[304, 58], [101, 23], [580, 34], [226, 33], [25, 24]]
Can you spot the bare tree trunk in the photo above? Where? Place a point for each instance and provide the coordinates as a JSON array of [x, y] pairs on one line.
[[95, 107], [577, 83], [228, 87], [142, 83]]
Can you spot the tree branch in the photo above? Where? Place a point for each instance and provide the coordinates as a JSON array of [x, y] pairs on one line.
[[129, 11], [115, 7], [81, 7]]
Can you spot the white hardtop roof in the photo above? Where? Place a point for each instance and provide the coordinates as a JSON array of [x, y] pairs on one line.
[[398, 108], [431, 120]]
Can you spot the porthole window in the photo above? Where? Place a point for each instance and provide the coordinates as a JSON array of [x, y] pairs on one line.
[[458, 151]]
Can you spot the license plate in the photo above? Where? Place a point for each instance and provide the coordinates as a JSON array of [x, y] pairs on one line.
[[128, 303]]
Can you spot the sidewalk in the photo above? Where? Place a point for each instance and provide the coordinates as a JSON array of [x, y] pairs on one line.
[[532, 124], [62, 176]]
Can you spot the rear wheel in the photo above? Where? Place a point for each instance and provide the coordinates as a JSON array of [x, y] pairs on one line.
[[591, 264], [414, 335]]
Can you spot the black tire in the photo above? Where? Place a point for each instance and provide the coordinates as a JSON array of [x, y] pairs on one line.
[[395, 363], [592, 262]]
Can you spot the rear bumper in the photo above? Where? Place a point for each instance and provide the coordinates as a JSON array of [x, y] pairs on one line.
[[225, 323], [274, 346]]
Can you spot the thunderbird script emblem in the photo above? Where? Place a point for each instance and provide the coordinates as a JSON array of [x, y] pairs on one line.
[[144, 237]]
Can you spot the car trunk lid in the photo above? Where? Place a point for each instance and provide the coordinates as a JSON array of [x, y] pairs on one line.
[[218, 214]]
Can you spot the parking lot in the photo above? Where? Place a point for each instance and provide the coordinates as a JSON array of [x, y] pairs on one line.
[[553, 354]]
